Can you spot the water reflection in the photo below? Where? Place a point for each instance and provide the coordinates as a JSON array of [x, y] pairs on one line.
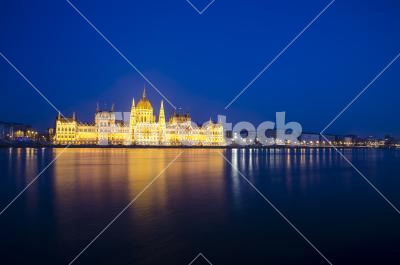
[[199, 201], [110, 173]]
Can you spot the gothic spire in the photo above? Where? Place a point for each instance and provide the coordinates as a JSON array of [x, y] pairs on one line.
[[161, 117], [144, 91]]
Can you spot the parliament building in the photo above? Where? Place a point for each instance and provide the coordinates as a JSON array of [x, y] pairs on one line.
[[139, 127]]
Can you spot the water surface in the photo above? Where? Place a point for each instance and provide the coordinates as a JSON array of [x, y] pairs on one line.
[[199, 204]]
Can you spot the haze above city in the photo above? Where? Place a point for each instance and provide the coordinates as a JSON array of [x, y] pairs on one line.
[[202, 62]]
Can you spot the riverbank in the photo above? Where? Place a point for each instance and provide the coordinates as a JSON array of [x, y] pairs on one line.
[[189, 147]]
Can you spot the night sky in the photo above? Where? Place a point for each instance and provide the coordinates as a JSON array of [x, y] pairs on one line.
[[202, 62]]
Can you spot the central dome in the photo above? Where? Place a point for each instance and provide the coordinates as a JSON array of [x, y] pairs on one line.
[[144, 103]]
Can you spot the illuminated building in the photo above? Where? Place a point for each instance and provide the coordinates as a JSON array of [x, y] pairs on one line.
[[140, 127], [17, 132]]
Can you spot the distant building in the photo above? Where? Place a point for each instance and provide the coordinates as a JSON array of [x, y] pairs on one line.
[[310, 138], [10, 131], [389, 140], [5, 130], [328, 138], [50, 134], [350, 140]]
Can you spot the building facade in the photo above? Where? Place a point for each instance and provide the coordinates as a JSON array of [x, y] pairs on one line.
[[310, 138], [139, 127], [10, 131]]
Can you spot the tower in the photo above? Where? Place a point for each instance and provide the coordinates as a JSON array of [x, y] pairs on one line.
[[144, 109], [161, 125], [161, 118], [132, 124], [146, 130], [133, 120]]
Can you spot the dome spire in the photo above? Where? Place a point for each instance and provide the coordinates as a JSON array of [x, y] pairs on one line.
[[144, 91]]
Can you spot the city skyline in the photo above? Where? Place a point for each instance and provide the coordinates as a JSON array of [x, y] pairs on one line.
[[76, 68], [169, 111]]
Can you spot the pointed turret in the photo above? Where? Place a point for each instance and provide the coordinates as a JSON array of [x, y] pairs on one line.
[[161, 118], [133, 114], [161, 124], [97, 107], [113, 107]]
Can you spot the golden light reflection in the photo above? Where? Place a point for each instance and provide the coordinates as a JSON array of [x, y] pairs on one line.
[[97, 180]]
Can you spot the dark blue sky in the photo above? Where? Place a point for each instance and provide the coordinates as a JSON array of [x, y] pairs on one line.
[[201, 62]]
